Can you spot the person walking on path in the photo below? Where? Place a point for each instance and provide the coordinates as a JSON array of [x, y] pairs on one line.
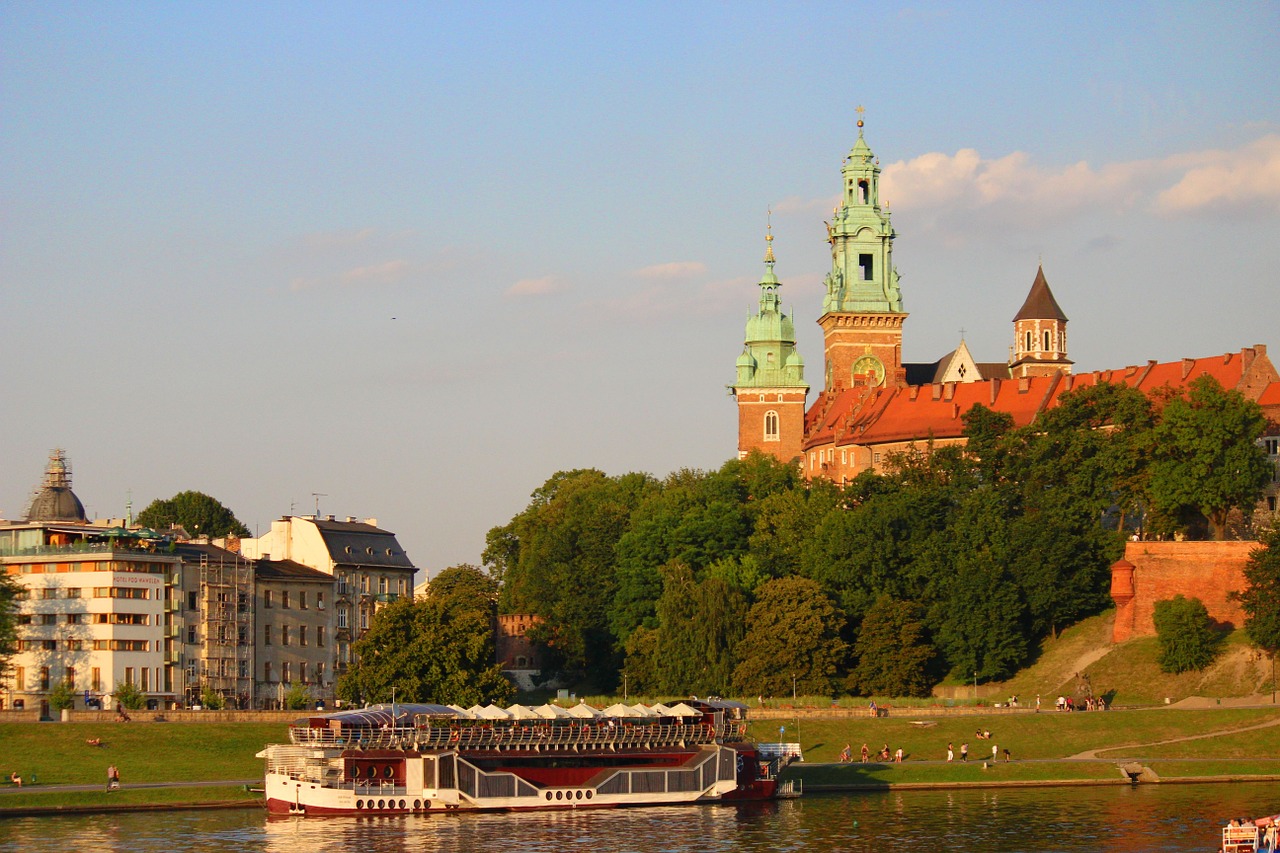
[[964, 751], [951, 752], [995, 753], [866, 754], [113, 778]]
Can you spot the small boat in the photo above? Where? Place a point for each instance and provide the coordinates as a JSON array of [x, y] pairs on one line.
[[1251, 836], [421, 759]]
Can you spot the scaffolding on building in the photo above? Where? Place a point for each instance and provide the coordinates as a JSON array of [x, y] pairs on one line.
[[226, 631]]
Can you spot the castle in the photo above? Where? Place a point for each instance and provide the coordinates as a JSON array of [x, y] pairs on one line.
[[872, 404]]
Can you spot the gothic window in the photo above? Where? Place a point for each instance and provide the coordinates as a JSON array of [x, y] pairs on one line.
[[1027, 348], [771, 426], [1046, 340], [864, 261]]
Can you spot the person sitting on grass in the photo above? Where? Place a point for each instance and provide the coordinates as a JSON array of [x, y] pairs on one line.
[[15, 778]]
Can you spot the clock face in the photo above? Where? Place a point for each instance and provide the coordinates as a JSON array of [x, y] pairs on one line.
[[870, 367]]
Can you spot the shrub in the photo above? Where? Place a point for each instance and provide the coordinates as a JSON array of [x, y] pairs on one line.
[[1188, 640], [63, 695], [129, 695]]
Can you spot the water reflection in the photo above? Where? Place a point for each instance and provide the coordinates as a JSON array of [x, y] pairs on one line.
[[1149, 817]]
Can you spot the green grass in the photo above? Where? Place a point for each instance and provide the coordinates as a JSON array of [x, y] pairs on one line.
[[1046, 735], [56, 753]]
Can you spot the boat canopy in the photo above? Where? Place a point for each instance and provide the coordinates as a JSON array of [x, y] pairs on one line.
[[377, 716]]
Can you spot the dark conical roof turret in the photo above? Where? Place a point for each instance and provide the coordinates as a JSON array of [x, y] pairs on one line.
[[1040, 304]]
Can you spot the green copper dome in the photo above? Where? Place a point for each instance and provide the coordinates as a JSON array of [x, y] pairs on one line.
[[769, 358]]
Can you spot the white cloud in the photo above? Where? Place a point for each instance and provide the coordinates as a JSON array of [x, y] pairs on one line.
[[537, 286], [1247, 179], [963, 192], [385, 273], [675, 269]]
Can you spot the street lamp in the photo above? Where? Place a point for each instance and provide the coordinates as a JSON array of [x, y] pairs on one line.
[[975, 688], [793, 688]]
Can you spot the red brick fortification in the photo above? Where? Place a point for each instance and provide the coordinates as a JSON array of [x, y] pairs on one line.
[[1157, 571]]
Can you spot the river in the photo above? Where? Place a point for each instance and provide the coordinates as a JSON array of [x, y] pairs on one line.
[[1147, 817]]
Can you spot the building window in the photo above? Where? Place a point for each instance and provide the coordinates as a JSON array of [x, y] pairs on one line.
[[266, 671], [71, 676], [284, 635], [20, 678], [266, 598], [266, 635], [868, 270], [342, 617], [73, 619], [44, 677], [1027, 348], [95, 679], [302, 600], [1271, 446], [49, 592], [73, 592], [284, 672], [128, 675], [364, 620], [284, 599], [770, 426], [364, 584], [302, 635], [48, 618], [146, 679], [302, 672], [191, 635], [1046, 340], [319, 601], [320, 673], [320, 635], [864, 196], [242, 669], [383, 588]]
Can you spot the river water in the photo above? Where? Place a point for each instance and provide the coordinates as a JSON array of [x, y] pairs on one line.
[[1147, 817]]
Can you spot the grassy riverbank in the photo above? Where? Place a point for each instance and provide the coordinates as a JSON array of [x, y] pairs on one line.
[[1175, 743]]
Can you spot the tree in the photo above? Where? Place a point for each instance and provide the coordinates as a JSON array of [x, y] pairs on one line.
[[792, 641], [63, 695], [9, 591], [1260, 598], [211, 700], [436, 650], [893, 650], [1206, 455], [129, 695], [195, 512], [298, 696], [1187, 638]]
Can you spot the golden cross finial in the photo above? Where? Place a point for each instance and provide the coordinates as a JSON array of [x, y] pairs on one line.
[[768, 238]]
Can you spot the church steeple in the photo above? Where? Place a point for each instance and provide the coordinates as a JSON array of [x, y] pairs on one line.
[[1039, 333], [862, 311], [770, 385]]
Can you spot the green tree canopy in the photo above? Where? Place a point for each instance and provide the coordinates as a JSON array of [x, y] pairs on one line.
[[1206, 455], [436, 650], [893, 651], [195, 512], [1260, 599], [793, 638], [1186, 634], [8, 621]]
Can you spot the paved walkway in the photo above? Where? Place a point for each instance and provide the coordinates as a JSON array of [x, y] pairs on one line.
[[41, 789], [1093, 753]]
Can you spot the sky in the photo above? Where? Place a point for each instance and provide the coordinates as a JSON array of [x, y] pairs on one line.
[[409, 260]]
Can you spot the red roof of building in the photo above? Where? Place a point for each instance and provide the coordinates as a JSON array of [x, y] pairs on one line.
[[859, 416]]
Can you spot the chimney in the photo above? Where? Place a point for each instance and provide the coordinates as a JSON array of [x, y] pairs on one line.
[[1187, 365], [351, 519], [937, 391], [949, 390], [995, 390]]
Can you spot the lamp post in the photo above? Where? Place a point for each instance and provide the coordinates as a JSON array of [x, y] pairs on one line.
[[975, 688], [793, 688]]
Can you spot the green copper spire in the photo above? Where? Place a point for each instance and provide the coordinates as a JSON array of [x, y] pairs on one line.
[[769, 358], [862, 277]]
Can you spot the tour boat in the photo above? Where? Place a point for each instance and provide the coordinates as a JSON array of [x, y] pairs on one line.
[[412, 758]]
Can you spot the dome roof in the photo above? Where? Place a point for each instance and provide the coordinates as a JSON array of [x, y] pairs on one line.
[[56, 503]]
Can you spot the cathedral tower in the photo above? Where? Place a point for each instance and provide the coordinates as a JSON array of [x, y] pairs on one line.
[[770, 386], [1039, 334], [862, 312]]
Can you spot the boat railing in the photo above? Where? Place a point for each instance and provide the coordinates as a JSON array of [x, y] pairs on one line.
[[527, 735]]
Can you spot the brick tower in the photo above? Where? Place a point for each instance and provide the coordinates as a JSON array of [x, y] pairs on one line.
[[1039, 334], [862, 311], [770, 387]]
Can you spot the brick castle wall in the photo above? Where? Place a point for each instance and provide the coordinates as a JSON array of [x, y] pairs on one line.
[[1157, 571]]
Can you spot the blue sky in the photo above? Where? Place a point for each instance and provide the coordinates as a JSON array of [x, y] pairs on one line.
[[420, 257]]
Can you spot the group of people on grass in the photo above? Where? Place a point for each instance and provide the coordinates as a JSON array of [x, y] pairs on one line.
[[846, 754]]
